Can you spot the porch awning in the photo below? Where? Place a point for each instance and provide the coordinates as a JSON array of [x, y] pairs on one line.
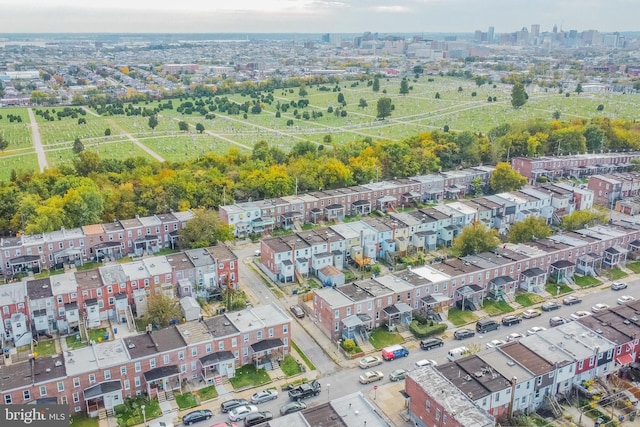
[[533, 272], [68, 252], [217, 357], [101, 389], [502, 280], [351, 321], [24, 259], [562, 264], [469, 290], [161, 372], [106, 245], [625, 359], [265, 345], [398, 308]]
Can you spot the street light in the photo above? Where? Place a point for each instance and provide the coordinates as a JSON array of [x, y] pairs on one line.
[[328, 393], [557, 291], [144, 416]]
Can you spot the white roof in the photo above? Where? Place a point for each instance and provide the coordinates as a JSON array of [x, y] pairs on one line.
[[157, 266], [135, 270], [12, 293], [431, 274], [62, 284], [95, 357]]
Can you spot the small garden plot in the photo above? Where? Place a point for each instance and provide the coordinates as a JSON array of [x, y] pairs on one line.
[[552, 288], [381, 338], [528, 299], [461, 317], [207, 393], [586, 281], [248, 376], [492, 307], [290, 366], [186, 401]]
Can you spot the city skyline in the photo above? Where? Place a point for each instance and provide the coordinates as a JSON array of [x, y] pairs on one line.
[[314, 16]]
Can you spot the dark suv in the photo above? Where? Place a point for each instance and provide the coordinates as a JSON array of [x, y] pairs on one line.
[[429, 343], [511, 320], [550, 306], [232, 404]]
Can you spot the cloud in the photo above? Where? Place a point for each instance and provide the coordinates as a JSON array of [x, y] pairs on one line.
[[391, 9]]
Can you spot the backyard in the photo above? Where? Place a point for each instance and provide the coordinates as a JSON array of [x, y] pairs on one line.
[[461, 317], [381, 338], [528, 299], [45, 348], [248, 376]]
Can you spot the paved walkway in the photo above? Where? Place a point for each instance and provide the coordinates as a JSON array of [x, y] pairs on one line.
[[37, 141], [131, 138]]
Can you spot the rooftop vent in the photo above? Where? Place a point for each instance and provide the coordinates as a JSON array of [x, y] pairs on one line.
[[226, 324], [58, 363]]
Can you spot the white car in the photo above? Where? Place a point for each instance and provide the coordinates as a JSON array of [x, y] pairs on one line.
[[535, 329], [425, 362], [625, 299], [531, 313], [580, 314], [369, 362], [241, 412], [599, 307], [514, 337], [494, 343], [264, 396]]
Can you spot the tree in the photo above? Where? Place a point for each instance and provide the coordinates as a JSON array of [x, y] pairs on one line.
[[504, 178], [579, 219], [3, 143], [200, 127], [376, 84], [363, 103], [384, 107], [532, 227], [161, 309], [418, 69], [340, 98], [474, 239], [183, 126], [404, 87], [518, 95], [153, 122], [477, 186], [579, 88], [107, 132], [600, 107], [556, 115], [302, 92], [204, 229], [437, 95], [78, 146]]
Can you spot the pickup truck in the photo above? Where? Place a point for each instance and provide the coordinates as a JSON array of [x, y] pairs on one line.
[[304, 391]]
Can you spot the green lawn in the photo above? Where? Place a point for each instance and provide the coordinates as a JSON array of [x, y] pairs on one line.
[[528, 299], [552, 288], [186, 401], [207, 393], [97, 335], [84, 421], [248, 375], [75, 341], [130, 413], [492, 307], [634, 266], [461, 317], [290, 366], [586, 281], [614, 274], [381, 338], [46, 348]]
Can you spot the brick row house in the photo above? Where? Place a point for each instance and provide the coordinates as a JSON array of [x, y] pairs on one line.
[[99, 376], [333, 205], [521, 376], [464, 282], [115, 292], [97, 242]]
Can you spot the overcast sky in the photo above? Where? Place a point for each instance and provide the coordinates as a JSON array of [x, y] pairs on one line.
[[314, 16]]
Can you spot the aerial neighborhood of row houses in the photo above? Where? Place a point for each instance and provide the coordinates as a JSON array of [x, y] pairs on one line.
[[517, 376]]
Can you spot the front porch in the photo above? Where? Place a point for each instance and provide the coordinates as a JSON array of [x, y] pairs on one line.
[[288, 219], [265, 351], [563, 271], [25, 264], [105, 395], [146, 245], [533, 280], [436, 306], [588, 264], [334, 212], [634, 250], [164, 378], [109, 251], [71, 257], [361, 207], [357, 327], [614, 257], [502, 286], [215, 365], [399, 313], [471, 297]]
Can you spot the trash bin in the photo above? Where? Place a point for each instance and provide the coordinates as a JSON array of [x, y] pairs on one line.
[[294, 292], [6, 353], [115, 331], [105, 337]]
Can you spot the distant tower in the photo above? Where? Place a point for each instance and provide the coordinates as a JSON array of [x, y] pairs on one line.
[[555, 28], [535, 30], [490, 35]]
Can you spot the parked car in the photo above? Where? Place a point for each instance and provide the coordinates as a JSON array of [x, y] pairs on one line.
[[535, 329], [257, 418], [618, 286], [511, 320], [487, 325], [570, 300], [297, 311], [398, 375], [369, 362], [464, 333], [371, 376], [292, 407], [531, 313], [514, 337], [228, 405], [494, 343], [557, 320], [550, 306], [599, 307], [264, 396], [196, 416], [241, 412], [424, 362], [625, 299], [429, 343], [580, 314]]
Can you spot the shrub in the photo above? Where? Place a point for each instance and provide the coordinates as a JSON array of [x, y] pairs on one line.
[[423, 330], [348, 345]]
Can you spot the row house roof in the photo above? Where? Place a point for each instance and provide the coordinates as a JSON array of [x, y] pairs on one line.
[[527, 358], [65, 283], [13, 293], [38, 370]]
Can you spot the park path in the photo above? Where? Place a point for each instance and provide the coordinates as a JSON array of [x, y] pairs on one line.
[[37, 141], [93, 113], [231, 141], [131, 138]]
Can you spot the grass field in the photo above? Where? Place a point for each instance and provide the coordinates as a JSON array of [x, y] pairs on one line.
[[416, 112]]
